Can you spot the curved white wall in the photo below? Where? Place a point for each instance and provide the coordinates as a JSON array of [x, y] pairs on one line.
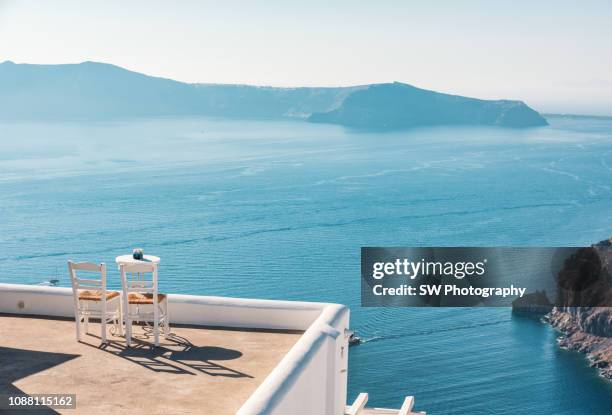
[[185, 309], [312, 377]]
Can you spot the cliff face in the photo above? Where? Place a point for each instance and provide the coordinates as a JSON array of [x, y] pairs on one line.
[[397, 105], [586, 329]]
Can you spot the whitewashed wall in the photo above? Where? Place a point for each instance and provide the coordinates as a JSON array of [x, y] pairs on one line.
[[310, 379], [184, 309]]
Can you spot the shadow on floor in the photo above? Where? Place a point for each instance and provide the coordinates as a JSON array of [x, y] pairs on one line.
[[175, 354], [16, 364]]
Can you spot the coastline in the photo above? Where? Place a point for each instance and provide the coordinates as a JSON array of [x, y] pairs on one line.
[[586, 330]]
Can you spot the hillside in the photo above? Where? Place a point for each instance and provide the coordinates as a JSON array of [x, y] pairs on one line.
[[397, 105], [97, 90]]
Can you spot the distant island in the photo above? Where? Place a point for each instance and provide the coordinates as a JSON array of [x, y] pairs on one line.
[[397, 105], [102, 91]]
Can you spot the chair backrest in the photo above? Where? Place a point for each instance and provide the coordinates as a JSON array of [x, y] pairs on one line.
[[139, 278], [90, 282]]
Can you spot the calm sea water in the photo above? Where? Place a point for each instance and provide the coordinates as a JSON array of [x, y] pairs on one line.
[[279, 210]]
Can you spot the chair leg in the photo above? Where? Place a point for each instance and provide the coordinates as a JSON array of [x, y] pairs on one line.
[[156, 326], [77, 320], [103, 327], [128, 322], [128, 330], [120, 320], [103, 318], [86, 323], [167, 320]]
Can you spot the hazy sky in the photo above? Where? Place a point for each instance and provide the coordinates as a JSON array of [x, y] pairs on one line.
[[556, 56]]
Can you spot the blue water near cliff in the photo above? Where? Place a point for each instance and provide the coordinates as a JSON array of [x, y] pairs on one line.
[[279, 210]]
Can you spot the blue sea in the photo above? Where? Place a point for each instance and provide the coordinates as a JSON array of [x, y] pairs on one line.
[[280, 209]]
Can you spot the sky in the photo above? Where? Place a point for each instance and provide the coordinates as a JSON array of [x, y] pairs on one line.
[[554, 55]]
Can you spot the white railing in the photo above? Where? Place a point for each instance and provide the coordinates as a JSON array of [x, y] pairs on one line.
[[359, 407]]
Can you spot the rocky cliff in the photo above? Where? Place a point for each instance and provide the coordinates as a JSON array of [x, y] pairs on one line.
[[587, 329]]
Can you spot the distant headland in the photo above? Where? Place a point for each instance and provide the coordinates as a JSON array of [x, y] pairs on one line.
[[397, 105], [101, 91]]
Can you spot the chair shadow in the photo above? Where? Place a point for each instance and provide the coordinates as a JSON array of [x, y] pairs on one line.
[[16, 364], [175, 354]]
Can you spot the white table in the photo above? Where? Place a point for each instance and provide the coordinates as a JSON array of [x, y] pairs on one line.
[[129, 259]]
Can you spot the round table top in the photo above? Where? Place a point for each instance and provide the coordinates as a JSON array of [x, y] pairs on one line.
[[129, 259]]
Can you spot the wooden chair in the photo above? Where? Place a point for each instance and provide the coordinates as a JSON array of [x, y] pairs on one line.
[[91, 298], [141, 300]]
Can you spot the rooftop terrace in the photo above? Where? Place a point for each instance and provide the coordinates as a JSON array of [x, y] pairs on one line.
[[224, 356], [198, 367]]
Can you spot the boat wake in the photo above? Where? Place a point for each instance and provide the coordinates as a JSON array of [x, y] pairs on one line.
[[428, 332]]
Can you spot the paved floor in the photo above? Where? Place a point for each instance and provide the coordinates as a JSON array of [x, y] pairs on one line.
[[198, 370]]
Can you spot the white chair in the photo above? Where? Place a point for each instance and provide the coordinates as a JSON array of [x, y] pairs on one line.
[[141, 300], [91, 298]]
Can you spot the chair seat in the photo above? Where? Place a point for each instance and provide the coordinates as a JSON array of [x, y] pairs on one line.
[[144, 298], [96, 295]]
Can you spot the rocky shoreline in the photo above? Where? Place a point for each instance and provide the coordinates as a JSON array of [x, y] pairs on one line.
[[586, 330]]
